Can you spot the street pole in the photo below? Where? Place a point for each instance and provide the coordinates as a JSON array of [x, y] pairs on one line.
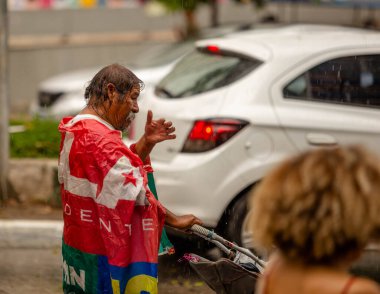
[[4, 103]]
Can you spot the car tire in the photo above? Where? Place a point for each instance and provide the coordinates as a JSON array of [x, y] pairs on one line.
[[237, 229], [236, 217]]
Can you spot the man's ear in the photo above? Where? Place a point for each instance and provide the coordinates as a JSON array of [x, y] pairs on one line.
[[111, 91]]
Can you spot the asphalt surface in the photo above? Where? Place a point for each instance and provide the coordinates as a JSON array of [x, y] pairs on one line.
[[38, 271], [30, 256]]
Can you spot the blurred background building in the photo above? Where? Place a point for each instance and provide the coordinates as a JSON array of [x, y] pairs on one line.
[[49, 37], [67, 4]]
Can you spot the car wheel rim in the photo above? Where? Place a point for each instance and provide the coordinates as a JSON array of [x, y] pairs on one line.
[[248, 241], [246, 234]]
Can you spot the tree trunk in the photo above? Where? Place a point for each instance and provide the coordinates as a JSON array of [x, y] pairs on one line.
[[4, 103], [214, 13], [191, 24]]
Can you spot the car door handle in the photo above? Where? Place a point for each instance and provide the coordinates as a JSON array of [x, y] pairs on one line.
[[320, 139]]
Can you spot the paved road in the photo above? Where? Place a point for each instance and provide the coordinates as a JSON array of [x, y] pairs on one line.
[[38, 271], [30, 261], [30, 271]]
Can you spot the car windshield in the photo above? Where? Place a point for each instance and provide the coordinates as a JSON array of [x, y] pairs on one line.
[[161, 55], [202, 71]]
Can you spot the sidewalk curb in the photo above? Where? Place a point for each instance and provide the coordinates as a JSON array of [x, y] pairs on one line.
[[30, 233]]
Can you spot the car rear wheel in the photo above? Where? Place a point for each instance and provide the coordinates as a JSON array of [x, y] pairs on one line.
[[238, 229], [237, 221], [247, 240]]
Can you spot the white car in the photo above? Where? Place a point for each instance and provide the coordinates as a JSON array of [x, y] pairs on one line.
[[63, 95], [242, 103]]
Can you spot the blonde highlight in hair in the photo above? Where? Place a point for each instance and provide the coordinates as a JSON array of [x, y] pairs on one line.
[[319, 206]]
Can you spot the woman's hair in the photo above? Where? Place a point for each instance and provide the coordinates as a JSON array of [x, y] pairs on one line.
[[123, 79], [318, 207]]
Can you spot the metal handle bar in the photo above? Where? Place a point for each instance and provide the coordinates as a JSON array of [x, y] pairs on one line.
[[211, 235]]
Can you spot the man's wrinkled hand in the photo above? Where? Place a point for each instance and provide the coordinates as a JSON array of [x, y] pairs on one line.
[[158, 130], [184, 222]]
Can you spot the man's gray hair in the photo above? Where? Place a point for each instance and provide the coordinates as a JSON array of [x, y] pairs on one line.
[[123, 79]]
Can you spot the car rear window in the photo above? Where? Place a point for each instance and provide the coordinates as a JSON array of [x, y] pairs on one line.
[[202, 71]]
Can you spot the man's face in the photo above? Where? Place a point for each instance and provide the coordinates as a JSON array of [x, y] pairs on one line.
[[124, 108]]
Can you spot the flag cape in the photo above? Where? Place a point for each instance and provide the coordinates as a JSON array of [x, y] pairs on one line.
[[112, 221]]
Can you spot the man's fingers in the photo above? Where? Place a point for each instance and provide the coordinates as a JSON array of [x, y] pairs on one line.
[[170, 130], [149, 117], [170, 137], [161, 121], [168, 124]]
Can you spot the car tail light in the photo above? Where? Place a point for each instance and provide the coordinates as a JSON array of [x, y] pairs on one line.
[[213, 49], [208, 134]]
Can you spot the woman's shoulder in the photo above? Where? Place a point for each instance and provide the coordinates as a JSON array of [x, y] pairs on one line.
[[364, 286], [325, 282], [312, 279]]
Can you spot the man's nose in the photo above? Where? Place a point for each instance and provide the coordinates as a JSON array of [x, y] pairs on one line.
[[135, 107]]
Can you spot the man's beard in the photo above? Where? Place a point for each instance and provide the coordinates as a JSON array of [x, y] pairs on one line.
[[131, 116]]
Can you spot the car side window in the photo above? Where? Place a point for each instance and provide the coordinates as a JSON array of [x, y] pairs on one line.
[[352, 80]]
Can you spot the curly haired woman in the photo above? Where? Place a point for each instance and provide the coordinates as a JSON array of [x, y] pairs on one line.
[[319, 210]]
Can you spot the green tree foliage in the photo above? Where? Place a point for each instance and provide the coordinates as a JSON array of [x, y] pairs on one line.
[[256, 3], [188, 8], [39, 140], [178, 5]]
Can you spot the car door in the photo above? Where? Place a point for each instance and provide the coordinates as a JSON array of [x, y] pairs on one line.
[[331, 99]]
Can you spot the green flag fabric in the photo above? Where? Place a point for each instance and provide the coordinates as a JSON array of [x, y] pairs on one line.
[[166, 247]]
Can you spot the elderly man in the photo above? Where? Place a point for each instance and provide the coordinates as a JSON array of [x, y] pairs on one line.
[[112, 221]]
